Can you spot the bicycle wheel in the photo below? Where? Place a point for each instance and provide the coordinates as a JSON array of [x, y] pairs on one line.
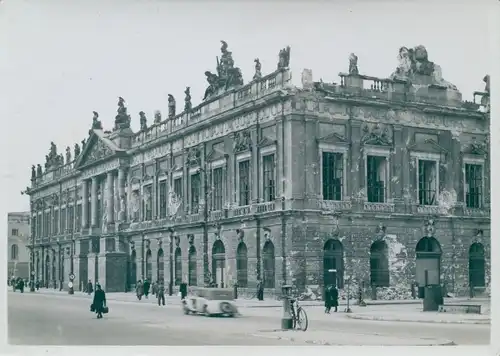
[[302, 319]]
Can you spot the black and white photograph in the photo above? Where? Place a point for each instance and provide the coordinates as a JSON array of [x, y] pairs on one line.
[[248, 173]]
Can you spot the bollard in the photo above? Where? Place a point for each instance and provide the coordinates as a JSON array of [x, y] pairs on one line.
[[170, 288], [286, 320], [235, 291]]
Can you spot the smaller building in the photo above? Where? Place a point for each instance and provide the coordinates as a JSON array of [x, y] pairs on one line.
[[18, 232]]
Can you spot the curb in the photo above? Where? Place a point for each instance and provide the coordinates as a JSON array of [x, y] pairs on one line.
[[327, 343], [378, 318]]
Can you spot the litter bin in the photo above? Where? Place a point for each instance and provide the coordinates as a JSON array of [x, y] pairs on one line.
[[433, 297]]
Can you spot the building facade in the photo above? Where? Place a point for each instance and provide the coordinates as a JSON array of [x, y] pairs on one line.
[[372, 182], [18, 244]]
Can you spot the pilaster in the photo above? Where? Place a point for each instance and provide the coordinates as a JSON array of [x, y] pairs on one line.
[[94, 203]]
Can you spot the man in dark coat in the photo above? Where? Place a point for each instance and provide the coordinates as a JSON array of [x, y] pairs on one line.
[[90, 288], [334, 298], [139, 289], [99, 301], [146, 285], [20, 285], [260, 290], [160, 293]]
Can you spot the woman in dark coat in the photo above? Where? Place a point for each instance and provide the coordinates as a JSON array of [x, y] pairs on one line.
[[99, 301], [334, 296]]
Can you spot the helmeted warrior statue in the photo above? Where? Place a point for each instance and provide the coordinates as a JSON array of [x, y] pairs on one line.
[[187, 100], [96, 123], [353, 64], [213, 84], [258, 67], [122, 120], [284, 58], [76, 150], [157, 119], [143, 121], [68, 155], [171, 106]]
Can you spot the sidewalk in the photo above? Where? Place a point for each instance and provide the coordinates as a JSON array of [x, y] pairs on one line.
[[336, 338], [416, 315], [268, 303]]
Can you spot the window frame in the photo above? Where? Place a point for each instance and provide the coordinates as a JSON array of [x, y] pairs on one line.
[[470, 160], [383, 153], [163, 180], [424, 156], [218, 164], [323, 148], [242, 157], [263, 152], [193, 172]]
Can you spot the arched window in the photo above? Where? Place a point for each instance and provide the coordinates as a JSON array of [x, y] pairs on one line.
[[242, 264], [178, 266], [192, 280], [161, 273], [379, 264], [14, 252], [149, 265], [268, 264], [476, 265], [333, 263]]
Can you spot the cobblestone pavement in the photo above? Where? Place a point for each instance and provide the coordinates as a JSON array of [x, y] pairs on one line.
[[131, 322]]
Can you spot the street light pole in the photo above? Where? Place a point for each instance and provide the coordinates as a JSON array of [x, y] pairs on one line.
[[171, 262], [205, 227]]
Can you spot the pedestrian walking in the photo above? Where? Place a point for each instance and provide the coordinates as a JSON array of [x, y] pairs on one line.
[[99, 302], [160, 293], [334, 298], [139, 289], [147, 286], [20, 285], [90, 288], [37, 284]]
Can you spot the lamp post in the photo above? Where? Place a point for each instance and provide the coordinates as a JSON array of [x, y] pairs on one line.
[[171, 262]]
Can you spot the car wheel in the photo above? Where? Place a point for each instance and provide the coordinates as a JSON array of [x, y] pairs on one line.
[[205, 311]]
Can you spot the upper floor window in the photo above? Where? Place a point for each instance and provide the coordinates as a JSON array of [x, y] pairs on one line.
[[78, 217], [178, 187], [15, 232], [64, 220], [333, 175], [473, 185], [14, 252], [148, 202], [244, 182], [163, 198], [195, 193], [427, 182], [56, 223], [71, 215], [376, 178], [217, 189], [269, 178]]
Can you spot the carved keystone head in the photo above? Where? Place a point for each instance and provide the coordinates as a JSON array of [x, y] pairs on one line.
[[177, 240], [190, 239], [148, 243], [267, 233], [381, 229], [429, 228], [159, 241], [241, 234], [479, 233]]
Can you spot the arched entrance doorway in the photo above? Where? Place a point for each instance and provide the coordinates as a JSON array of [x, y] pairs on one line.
[[133, 268], [333, 263], [218, 263], [242, 264], [192, 266], [428, 262], [268, 264], [379, 264], [149, 266], [161, 273], [476, 265], [46, 278], [54, 271]]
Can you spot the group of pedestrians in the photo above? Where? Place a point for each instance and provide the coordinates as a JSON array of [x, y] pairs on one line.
[[157, 288]]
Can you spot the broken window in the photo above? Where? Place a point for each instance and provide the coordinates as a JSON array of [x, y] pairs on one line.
[[427, 182], [376, 177], [473, 185], [333, 175]]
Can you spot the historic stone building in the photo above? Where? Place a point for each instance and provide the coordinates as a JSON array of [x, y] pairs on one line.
[[18, 243], [378, 182]]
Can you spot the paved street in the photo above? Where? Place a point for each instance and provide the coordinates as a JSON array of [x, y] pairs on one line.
[[65, 320]]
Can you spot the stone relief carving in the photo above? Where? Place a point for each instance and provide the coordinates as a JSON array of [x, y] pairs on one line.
[[193, 156], [376, 134], [242, 141], [99, 151]]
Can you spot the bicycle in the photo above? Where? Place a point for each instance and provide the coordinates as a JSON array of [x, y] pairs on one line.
[[299, 315]]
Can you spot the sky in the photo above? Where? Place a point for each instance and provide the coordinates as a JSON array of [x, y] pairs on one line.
[[61, 60]]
